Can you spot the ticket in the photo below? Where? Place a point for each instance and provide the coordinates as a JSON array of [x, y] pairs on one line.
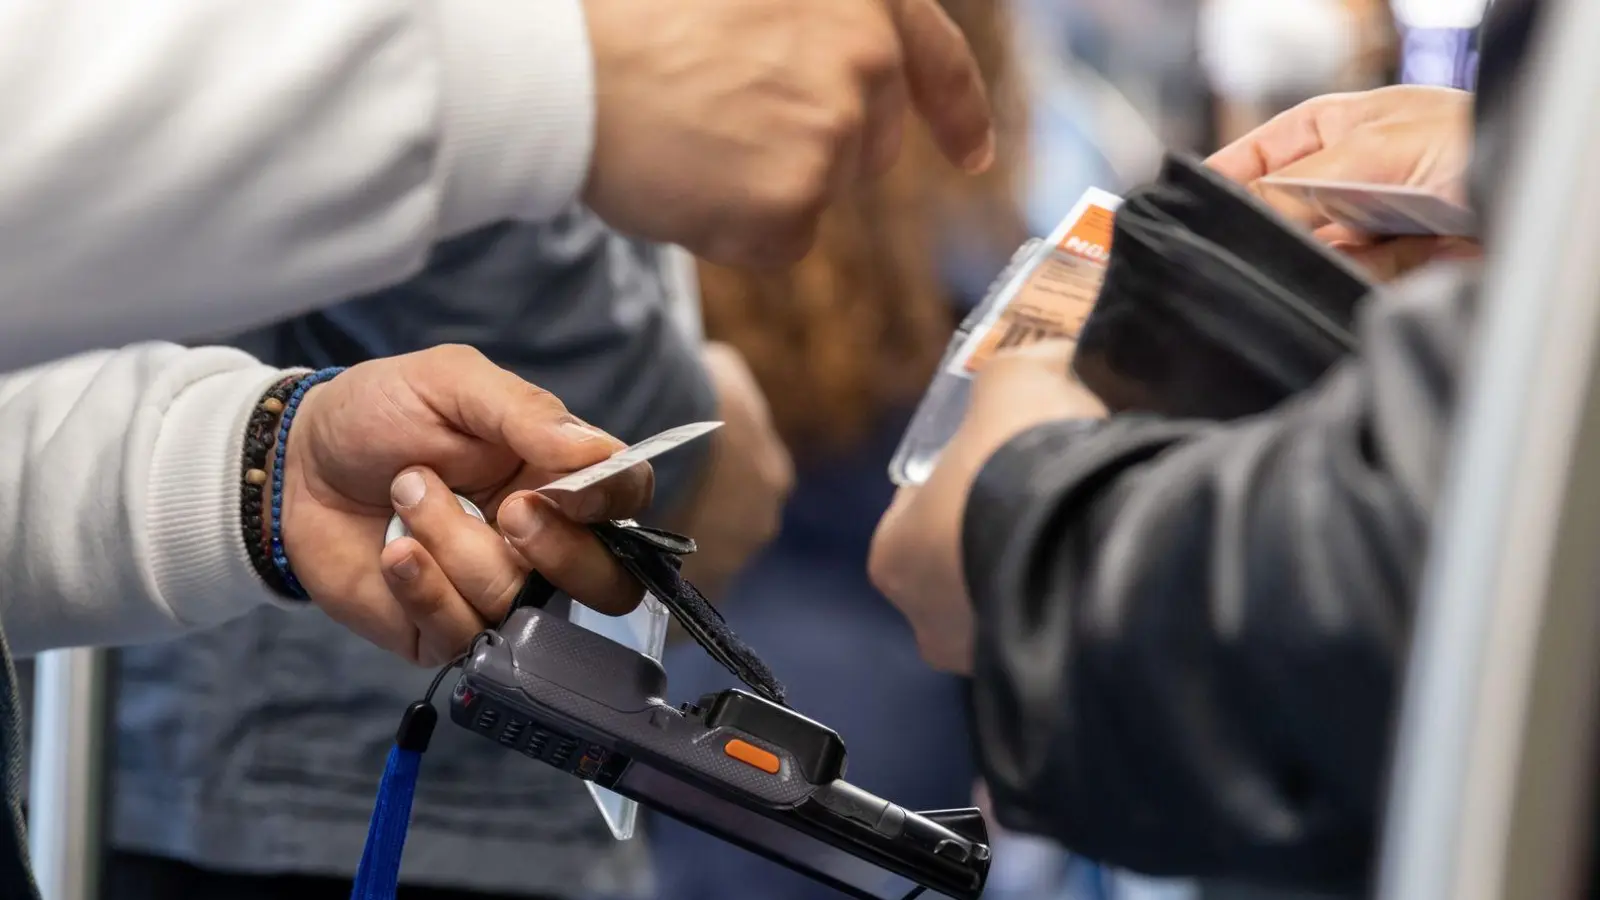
[[1047, 292], [1378, 209], [627, 458], [1054, 295]]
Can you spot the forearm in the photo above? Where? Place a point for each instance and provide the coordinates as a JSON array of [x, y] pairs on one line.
[[120, 477], [1189, 633], [185, 168]]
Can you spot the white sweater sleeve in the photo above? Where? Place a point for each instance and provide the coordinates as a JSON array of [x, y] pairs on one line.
[[119, 495], [177, 168]]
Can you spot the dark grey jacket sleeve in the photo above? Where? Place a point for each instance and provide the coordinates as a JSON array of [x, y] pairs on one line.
[[570, 306], [1189, 633]]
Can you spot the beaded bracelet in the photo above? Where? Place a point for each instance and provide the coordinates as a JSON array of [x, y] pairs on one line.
[[259, 435], [280, 558]]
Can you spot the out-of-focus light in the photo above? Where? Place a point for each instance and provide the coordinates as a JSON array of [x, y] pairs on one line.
[[1254, 49], [1439, 13]]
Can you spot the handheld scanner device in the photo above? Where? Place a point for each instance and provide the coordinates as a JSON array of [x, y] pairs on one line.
[[750, 771]]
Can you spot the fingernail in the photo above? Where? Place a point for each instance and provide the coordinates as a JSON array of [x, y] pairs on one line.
[[408, 490], [579, 432], [982, 158], [519, 521], [406, 569]]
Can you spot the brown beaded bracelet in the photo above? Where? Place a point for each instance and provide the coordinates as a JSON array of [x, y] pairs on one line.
[[259, 435]]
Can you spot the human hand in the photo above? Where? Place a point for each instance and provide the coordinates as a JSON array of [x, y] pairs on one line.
[[1404, 136], [736, 508], [399, 435], [728, 128], [916, 552]]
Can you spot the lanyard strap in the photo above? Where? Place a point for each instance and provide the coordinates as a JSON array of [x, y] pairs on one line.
[[378, 876], [654, 556]]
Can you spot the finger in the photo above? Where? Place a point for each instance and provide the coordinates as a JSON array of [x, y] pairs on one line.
[[1026, 385], [1335, 233], [367, 608], [1285, 138], [445, 622], [886, 126], [1390, 259], [1290, 206], [1049, 360], [494, 405], [945, 84], [768, 245], [884, 568], [622, 496], [470, 553], [567, 554], [850, 156]]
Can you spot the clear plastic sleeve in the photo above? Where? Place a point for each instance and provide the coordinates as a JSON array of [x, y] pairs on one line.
[[645, 631], [1057, 280]]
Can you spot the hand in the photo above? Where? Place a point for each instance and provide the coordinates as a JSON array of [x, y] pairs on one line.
[[397, 435], [916, 552], [727, 127], [738, 505], [1406, 136]]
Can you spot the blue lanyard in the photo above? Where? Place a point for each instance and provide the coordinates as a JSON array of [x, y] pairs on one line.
[[378, 877]]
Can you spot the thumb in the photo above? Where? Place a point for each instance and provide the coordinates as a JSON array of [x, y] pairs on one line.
[[1388, 260], [945, 83], [1281, 141], [1033, 378], [1291, 202]]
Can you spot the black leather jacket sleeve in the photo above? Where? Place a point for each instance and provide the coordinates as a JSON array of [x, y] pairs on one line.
[[1189, 633]]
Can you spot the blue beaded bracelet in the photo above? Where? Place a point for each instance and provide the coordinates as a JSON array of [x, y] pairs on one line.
[[280, 558]]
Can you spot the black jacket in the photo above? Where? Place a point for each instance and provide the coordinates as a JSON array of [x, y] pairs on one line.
[[1190, 635]]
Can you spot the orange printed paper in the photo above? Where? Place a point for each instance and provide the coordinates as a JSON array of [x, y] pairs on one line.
[[1056, 297]]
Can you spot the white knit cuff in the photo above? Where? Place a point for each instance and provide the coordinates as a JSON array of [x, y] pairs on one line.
[[197, 556], [518, 109]]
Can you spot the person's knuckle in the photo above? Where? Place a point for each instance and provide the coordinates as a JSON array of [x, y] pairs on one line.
[[842, 124], [421, 603], [799, 192], [1003, 368], [881, 565], [458, 354], [876, 52], [499, 592]]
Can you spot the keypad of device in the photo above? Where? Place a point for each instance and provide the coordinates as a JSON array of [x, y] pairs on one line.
[[517, 732]]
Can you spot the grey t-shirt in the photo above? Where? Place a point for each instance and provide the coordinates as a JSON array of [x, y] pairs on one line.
[[258, 746]]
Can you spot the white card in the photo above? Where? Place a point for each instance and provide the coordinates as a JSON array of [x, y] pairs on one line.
[[625, 459], [1380, 210]]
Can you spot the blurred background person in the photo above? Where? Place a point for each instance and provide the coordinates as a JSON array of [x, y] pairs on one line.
[[1439, 41], [843, 346]]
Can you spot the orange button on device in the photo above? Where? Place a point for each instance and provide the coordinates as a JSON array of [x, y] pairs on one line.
[[751, 755]]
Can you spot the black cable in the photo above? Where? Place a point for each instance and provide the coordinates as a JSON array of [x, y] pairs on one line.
[[438, 678]]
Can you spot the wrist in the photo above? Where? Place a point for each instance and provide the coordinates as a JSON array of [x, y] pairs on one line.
[[198, 565], [284, 472], [256, 467]]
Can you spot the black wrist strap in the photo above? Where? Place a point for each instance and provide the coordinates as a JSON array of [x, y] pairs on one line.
[[654, 557]]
